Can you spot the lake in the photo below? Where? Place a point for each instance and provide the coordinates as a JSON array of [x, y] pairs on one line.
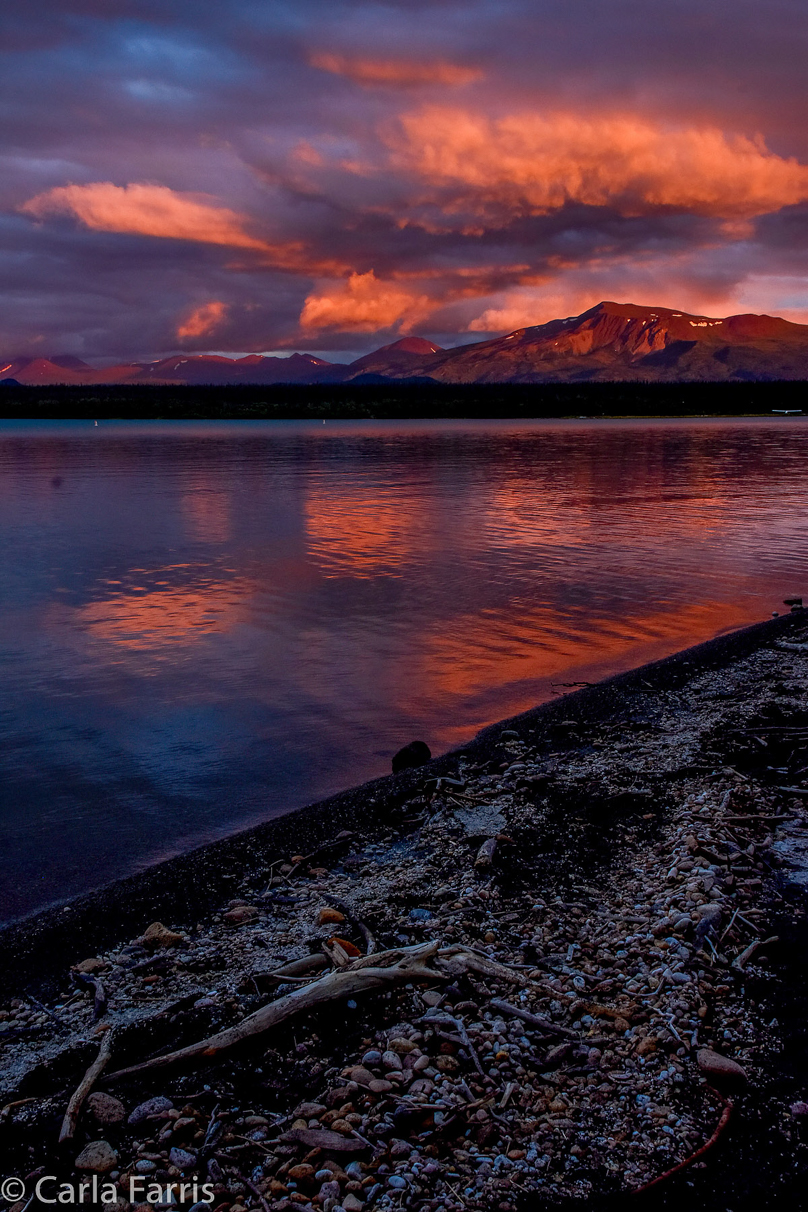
[[203, 625]]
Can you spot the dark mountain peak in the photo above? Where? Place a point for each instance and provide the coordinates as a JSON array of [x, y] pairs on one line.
[[410, 345]]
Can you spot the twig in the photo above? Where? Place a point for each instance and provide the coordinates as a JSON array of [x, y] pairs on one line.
[[745, 956], [5, 1112], [357, 922], [61, 1024], [720, 1126], [442, 1017], [85, 1086], [252, 1187], [543, 1024]]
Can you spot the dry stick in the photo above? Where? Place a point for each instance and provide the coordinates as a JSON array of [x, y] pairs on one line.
[[720, 1126], [543, 1024], [745, 956], [365, 974], [85, 1086], [361, 926], [460, 1027]]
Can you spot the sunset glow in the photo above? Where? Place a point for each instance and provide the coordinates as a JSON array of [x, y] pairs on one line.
[[300, 177]]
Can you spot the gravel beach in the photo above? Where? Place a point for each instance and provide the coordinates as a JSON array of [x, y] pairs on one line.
[[561, 966]]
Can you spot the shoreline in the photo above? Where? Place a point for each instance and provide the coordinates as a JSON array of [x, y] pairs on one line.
[[559, 966], [35, 947]]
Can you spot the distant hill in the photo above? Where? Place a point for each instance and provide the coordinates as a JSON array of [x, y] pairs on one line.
[[612, 342]]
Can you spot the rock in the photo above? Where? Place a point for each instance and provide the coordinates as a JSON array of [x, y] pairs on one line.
[[480, 820], [417, 753], [98, 1157], [240, 915], [329, 915], [351, 1203], [485, 856], [360, 1075], [303, 1172], [712, 913], [373, 1057], [397, 1182], [380, 1086], [88, 966], [145, 1166], [309, 1110], [105, 1109], [322, 1138], [391, 1060], [348, 947], [799, 1110], [182, 1159], [151, 1107], [716, 1065], [158, 935]]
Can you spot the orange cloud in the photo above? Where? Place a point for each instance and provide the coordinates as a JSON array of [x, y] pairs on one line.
[[395, 73], [203, 320], [364, 304], [145, 210], [536, 163]]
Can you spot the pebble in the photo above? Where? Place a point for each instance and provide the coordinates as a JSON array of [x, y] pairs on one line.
[[99, 1157], [105, 1108], [716, 1065], [151, 1107], [158, 935], [182, 1159]]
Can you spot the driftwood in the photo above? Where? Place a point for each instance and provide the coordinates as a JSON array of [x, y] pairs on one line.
[[85, 1086], [363, 975], [366, 974]]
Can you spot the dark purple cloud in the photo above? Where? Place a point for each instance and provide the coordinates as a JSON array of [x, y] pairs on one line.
[[329, 175]]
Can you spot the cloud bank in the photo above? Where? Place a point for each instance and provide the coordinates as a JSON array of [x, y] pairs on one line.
[[330, 177]]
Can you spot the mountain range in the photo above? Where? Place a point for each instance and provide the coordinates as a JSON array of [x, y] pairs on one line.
[[611, 342]]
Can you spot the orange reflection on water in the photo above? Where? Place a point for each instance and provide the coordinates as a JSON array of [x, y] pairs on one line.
[[355, 530], [160, 617], [490, 667]]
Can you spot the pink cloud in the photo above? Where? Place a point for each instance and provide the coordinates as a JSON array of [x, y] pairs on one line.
[[203, 320], [532, 164], [364, 304]]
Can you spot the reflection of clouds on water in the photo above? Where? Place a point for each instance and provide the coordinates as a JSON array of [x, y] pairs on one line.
[[198, 630], [364, 530], [207, 514], [158, 618]]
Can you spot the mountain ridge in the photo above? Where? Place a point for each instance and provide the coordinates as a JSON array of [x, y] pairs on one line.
[[610, 342]]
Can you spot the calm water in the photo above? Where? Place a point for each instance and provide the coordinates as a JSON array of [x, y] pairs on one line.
[[204, 625]]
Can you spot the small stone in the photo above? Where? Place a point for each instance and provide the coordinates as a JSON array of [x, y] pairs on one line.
[[348, 947], [720, 1066], [351, 1203], [799, 1110], [380, 1086], [182, 1159], [431, 997], [152, 1107], [417, 753], [88, 966], [240, 915], [373, 1057], [158, 935], [329, 1190], [145, 1166], [309, 1110], [391, 1060], [303, 1172], [105, 1109], [98, 1157], [360, 1075], [200, 1207], [397, 1182], [329, 915]]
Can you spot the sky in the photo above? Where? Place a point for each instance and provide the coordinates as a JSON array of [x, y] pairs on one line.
[[256, 175]]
